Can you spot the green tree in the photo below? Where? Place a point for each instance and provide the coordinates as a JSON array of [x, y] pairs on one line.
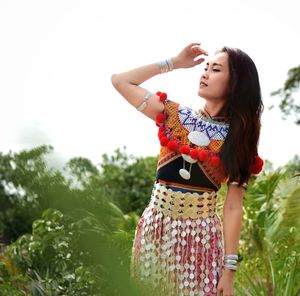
[[290, 104], [128, 180]]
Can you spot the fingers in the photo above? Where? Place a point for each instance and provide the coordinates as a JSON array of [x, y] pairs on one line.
[[196, 49], [202, 51], [194, 44], [198, 62]]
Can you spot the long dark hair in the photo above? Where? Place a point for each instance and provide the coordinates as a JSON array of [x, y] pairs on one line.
[[244, 107]]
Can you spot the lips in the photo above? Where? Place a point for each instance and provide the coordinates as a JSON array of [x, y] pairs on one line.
[[203, 83]]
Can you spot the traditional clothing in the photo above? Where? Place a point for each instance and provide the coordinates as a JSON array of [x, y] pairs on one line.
[[178, 246]]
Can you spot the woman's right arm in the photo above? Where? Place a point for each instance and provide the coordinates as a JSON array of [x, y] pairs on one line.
[[128, 83]]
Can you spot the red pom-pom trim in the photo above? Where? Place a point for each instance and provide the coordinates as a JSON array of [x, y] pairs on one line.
[[194, 153], [215, 161], [160, 134], [160, 118], [203, 155], [257, 165], [162, 97], [164, 141], [172, 145], [158, 93], [161, 128], [185, 149], [258, 161]]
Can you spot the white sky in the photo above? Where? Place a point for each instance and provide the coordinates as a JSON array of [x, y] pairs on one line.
[[57, 57]]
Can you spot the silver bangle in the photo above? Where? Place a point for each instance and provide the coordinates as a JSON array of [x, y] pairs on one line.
[[230, 261], [231, 256], [144, 103], [230, 266], [170, 64]]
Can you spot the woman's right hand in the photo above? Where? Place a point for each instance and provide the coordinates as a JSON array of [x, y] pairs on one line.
[[186, 58]]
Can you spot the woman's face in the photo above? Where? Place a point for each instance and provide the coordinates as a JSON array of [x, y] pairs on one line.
[[214, 82]]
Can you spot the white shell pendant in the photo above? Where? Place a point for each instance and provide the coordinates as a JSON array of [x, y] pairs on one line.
[[198, 138], [184, 174], [187, 158]]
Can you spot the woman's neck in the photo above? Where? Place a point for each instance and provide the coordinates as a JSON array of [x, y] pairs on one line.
[[214, 109]]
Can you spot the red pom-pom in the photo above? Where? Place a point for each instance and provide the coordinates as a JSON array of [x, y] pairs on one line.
[[158, 93], [194, 153], [185, 149], [172, 145], [258, 161], [164, 141], [161, 128], [160, 118], [162, 97], [203, 155], [160, 134], [215, 161], [257, 165]]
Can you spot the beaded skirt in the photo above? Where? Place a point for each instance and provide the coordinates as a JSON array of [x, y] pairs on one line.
[[178, 243]]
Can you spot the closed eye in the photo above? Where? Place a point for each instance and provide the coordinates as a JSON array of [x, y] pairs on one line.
[[215, 70]]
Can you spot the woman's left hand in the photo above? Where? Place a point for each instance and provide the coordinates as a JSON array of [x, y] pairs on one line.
[[186, 58], [225, 285]]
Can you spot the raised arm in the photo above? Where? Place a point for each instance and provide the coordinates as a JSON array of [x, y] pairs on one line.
[[128, 83]]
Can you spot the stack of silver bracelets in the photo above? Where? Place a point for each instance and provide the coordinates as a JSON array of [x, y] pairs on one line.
[[166, 66], [230, 261]]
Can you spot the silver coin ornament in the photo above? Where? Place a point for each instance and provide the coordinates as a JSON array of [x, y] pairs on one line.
[[184, 174], [198, 138], [188, 159]]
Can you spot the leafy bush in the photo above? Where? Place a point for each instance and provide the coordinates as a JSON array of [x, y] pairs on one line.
[[50, 257]]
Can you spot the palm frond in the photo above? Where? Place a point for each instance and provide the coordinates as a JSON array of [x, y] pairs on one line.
[[288, 219]]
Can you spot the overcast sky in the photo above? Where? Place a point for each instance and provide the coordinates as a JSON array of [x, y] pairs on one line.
[[57, 57]]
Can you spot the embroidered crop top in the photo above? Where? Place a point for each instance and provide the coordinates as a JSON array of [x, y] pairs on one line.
[[201, 165]]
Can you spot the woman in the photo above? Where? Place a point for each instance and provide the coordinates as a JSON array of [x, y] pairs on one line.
[[180, 245]]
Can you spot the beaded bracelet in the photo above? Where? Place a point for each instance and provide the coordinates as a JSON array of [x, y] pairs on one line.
[[244, 185], [144, 103]]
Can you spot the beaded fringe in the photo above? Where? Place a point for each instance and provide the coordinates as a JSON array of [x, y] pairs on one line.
[[178, 244]]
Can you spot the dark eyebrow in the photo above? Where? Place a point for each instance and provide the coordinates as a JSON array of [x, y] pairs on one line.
[[215, 64]]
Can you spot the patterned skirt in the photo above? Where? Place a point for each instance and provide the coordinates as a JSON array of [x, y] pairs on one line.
[[178, 245]]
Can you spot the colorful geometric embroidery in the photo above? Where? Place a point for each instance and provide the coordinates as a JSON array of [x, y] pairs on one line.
[[180, 121]]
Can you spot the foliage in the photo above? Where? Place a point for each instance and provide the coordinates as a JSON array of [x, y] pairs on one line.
[[269, 244], [289, 104], [50, 257], [27, 188], [71, 232], [81, 248], [128, 180]]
